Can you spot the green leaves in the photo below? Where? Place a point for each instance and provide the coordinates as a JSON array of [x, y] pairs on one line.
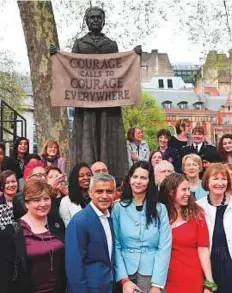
[[148, 116]]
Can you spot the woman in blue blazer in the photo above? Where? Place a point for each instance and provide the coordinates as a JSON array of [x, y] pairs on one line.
[[142, 234]]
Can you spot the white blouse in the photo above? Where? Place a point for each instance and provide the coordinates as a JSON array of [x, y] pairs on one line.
[[68, 209]]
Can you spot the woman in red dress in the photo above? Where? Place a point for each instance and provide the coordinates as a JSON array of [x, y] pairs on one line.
[[190, 258]]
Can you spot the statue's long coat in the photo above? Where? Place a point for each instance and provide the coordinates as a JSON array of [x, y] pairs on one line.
[[98, 134]]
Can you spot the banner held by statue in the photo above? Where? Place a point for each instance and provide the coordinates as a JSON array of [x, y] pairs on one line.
[[95, 80]]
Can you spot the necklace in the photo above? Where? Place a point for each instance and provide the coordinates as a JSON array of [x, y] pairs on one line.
[[221, 204], [50, 249], [48, 246]]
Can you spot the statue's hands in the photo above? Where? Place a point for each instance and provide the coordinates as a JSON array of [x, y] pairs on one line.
[[53, 50], [138, 50]]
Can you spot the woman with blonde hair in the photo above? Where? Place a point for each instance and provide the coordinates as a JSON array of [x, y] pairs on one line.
[[218, 212], [32, 250], [192, 167], [51, 155], [190, 257]]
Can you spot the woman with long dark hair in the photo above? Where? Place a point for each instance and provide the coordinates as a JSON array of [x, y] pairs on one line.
[[78, 185], [20, 152], [225, 148], [190, 258], [142, 233]]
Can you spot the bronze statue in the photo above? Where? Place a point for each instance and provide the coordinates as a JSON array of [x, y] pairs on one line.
[[98, 134]]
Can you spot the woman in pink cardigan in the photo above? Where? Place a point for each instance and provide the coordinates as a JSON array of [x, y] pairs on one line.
[[51, 155]]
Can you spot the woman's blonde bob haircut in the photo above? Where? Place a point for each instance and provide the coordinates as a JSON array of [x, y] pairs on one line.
[[195, 158], [49, 143], [36, 189], [213, 170]]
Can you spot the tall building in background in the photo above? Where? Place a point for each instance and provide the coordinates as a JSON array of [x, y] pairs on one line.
[[155, 64], [188, 71]]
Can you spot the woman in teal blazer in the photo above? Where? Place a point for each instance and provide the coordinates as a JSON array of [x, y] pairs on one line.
[[142, 234]]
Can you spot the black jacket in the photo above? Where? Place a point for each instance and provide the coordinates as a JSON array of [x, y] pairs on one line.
[[205, 149], [10, 164], [13, 254]]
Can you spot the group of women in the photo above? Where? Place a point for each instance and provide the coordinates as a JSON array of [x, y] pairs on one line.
[[169, 146], [176, 239]]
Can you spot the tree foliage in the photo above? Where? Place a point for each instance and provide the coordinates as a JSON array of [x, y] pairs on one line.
[[11, 89], [148, 116], [40, 31], [129, 23], [207, 23]]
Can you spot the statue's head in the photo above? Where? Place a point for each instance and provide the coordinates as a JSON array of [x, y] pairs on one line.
[[95, 18]]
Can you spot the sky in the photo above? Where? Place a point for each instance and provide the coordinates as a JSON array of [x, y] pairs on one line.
[[167, 40]]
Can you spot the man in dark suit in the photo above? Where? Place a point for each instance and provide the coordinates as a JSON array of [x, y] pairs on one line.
[[199, 145], [89, 241]]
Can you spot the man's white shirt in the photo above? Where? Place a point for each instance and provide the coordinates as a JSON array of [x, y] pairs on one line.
[[106, 226]]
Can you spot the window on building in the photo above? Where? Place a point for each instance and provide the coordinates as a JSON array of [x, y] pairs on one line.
[[161, 83], [167, 105], [198, 106], [183, 105], [170, 84]]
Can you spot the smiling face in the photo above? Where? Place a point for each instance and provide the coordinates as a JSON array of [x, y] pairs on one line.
[[102, 195], [84, 177], [52, 150], [39, 207], [227, 145], [191, 168], [138, 135], [23, 147], [139, 181], [182, 194], [156, 158], [217, 184], [11, 186], [38, 173], [198, 137], [163, 141]]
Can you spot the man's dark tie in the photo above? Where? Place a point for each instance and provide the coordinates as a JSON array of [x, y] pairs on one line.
[[196, 148]]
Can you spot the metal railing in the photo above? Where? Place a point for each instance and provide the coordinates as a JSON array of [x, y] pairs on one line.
[[12, 124]]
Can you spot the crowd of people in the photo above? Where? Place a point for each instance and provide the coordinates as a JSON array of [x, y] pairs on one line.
[[165, 228]]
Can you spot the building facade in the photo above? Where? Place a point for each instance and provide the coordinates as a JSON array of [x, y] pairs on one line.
[[155, 64], [188, 71], [213, 113]]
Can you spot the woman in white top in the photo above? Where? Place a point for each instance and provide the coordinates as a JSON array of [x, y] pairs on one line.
[[218, 212], [137, 148], [78, 198]]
